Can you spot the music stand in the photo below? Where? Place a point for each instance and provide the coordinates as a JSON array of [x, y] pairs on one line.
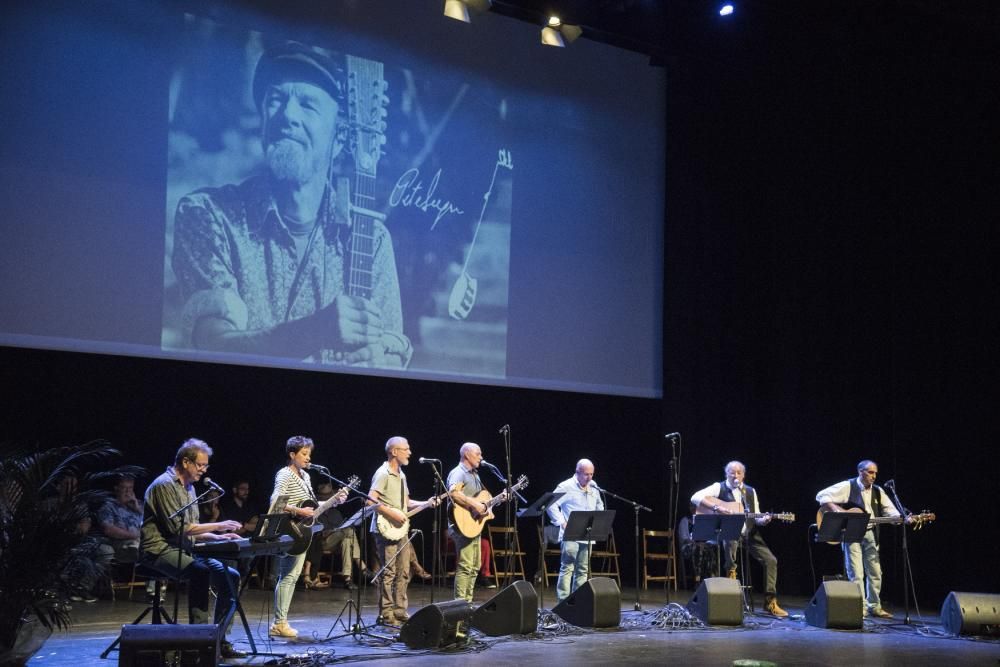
[[843, 527], [717, 528], [588, 526], [539, 508]]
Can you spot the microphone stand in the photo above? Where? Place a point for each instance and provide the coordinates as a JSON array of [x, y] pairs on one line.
[[907, 571], [357, 627], [636, 507], [436, 558], [673, 502]]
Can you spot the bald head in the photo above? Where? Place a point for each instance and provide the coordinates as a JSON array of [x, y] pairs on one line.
[[584, 472], [471, 454]]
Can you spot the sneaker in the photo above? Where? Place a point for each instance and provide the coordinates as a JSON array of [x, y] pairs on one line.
[[402, 616], [390, 621], [881, 613], [282, 629], [771, 607], [486, 582]]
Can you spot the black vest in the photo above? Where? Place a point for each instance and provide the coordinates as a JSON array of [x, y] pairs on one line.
[[749, 500], [855, 500]]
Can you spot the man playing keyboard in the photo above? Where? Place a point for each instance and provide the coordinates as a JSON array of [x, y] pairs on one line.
[[166, 549]]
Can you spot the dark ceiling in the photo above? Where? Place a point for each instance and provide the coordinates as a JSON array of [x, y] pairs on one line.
[[679, 28]]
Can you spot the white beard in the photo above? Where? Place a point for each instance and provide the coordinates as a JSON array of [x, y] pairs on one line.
[[288, 161]]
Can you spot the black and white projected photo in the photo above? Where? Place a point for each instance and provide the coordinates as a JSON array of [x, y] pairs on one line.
[[335, 208], [361, 188]]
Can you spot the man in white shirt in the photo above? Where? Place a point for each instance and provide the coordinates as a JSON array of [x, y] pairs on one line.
[[861, 559], [732, 496]]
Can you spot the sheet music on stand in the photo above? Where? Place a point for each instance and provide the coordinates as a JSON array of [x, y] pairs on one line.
[[538, 507], [598, 522], [712, 527], [846, 527]]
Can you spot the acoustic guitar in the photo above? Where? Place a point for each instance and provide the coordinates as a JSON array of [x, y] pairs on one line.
[[471, 525], [301, 528], [917, 523]]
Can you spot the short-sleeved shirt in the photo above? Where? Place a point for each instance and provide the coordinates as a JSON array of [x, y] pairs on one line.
[[468, 477], [113, 513], [163, 498], [392, 490]]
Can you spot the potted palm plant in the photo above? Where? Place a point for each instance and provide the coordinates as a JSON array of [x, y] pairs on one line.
[[46, 500]]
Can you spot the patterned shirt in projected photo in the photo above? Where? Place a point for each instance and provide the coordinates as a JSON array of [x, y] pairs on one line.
[[236, 260]]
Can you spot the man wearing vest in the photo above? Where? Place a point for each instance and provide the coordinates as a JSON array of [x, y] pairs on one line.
[[861, 560], [732, 496]]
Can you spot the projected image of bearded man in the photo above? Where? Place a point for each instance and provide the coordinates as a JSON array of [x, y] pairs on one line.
[[264, 265]]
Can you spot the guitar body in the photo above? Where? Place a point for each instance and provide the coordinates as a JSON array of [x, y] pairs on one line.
[[302, 528], [465, 522], [471, 525]]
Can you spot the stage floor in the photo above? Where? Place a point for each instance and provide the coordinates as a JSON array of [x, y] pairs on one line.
[[649, 636]]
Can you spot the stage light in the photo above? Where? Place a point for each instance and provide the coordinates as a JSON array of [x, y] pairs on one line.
[[557, 33], [459, 9], [726, 10]]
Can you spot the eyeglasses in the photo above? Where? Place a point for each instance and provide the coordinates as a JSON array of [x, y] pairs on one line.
[[199, 466]]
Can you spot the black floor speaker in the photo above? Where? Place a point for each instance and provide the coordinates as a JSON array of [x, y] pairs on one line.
[[512, 611], [971, 614], [435, 625], [718, 601], [836, 604], [596, 604], [156, 645]]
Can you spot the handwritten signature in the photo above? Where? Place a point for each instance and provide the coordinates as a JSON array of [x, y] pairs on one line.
[[409, 191]]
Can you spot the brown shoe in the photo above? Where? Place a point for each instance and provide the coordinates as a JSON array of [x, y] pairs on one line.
[[881, 613], [732, 573], [771, 607]]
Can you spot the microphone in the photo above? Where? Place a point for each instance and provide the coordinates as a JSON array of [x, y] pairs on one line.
[[486, 463], [424, 460], [209, 482], [504, 429], [672, 436], [319, 467], [416, 531], [891, 484]]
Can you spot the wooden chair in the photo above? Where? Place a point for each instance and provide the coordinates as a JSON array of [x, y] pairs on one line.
[[658, 547], [498, 536], [546, 540], [604, 560]]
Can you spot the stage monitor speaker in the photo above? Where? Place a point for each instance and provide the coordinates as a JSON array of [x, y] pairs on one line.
[[596, 604], [512, 611], [151, 645], [718, 601], [435, 625], [971, 614], [836, 604]]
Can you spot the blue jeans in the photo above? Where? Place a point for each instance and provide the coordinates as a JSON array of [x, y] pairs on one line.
[[573, 572], [289, 568], [200, 573], [862, 563]]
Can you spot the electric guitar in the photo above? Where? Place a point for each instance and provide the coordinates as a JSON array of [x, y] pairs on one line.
[[301, 528], [471, 525], [917, 520], [394, 531], [735, 507]]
